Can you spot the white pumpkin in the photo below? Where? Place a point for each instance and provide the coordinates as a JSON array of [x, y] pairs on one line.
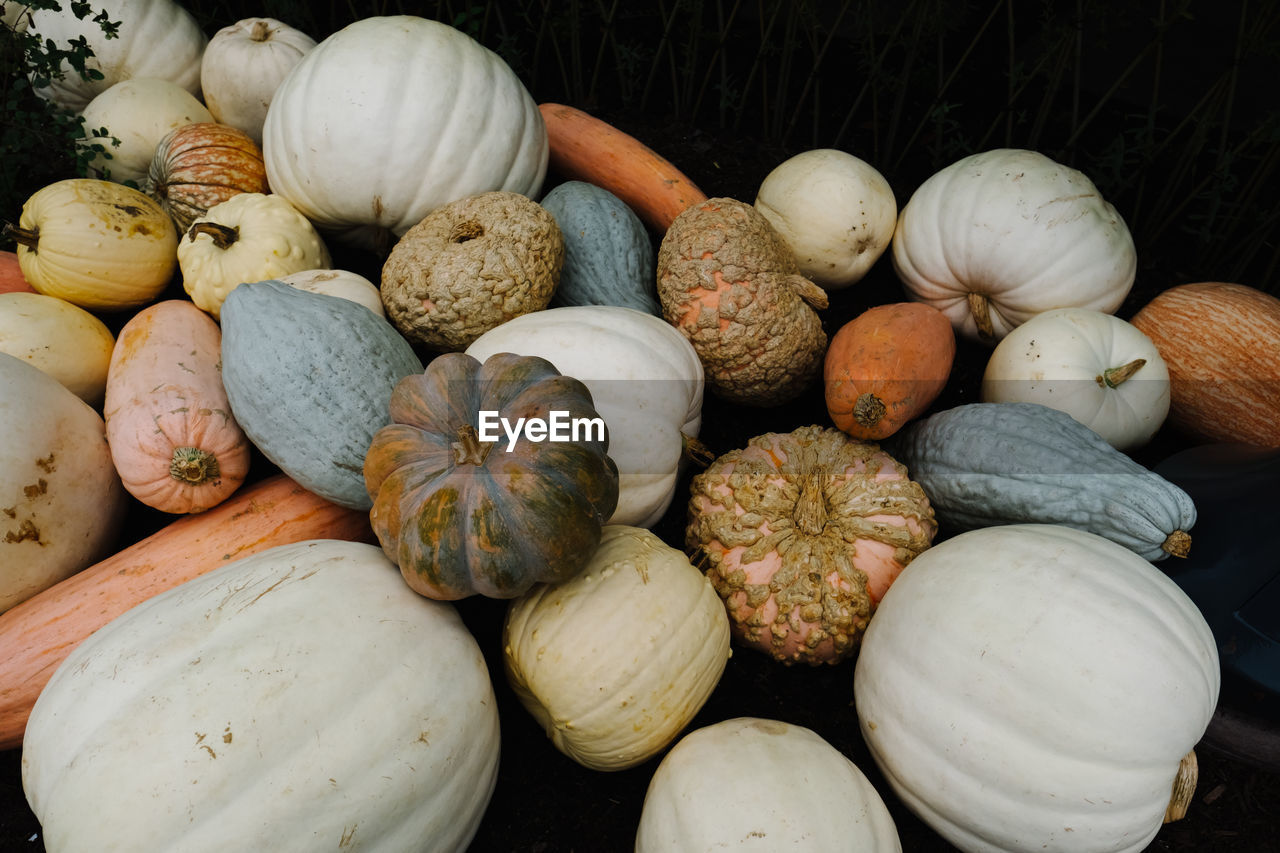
[[248, 237], [616, 661], [646, 382], [64, 340], [393, 116], [300, 699], [344, 283], [1096, 367], [156, 38], [15, 15], [139, 112], [1035, 687], [1000, 236], [243, 65], [62, 500], [836, 212], [756, 784]]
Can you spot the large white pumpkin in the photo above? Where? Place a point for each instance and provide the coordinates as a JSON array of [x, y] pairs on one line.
[[645, 379], [156, 38], [300, 699], [1000, 236], [1035, 687], [765, 785], [393, 116]]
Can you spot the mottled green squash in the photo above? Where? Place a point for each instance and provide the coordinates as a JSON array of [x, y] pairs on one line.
[[309, 377], [462, 515], [609, 259]]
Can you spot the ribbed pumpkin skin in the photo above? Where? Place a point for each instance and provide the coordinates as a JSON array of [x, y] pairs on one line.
[[297, 700], [1221, 342], [1034, 687], [608, 257], [309, 376], [463, 519], [413, 114], [199, 165]]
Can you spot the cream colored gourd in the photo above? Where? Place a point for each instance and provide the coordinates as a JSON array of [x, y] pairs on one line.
[[343, 283], [646, 382], [1036, 687], [62, 501], [156, 38], [616, 661], [97, 244], [734, 785], [836, 212], [248, 237], [1000, 236], [243, 65], [64, 340], [1096, 367], [300, 699], [412, 113], [139, 112]]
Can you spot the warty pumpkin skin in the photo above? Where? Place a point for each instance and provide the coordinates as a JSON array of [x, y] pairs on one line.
[[461, 516], [801, 534]]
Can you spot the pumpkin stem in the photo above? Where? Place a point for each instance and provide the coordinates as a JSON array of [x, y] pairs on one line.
[[1184, 786], [1177, 543], [29, 237], [469, 449], [980, 308], [868, 409], [813, 295], [696, 452], [811, 507], [260, 31], [193, 466], [1113, 376], [223, 236]]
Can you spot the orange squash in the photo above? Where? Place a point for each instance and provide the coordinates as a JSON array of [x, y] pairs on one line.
[[585, 148], [11, 278], [887, 366], [1221, 342], [173, 438], [197, 166], [39, 633]]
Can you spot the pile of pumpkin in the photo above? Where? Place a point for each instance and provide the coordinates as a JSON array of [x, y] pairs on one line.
[[280, 667]]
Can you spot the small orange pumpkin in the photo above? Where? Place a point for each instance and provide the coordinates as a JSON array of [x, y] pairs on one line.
[[198, 165]]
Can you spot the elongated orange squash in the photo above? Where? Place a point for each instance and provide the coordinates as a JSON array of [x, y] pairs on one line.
[[585, 148], [11, 278], [173, 438], [38, 634]]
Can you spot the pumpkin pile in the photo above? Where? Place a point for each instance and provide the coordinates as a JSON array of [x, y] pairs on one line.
[[499, 405]]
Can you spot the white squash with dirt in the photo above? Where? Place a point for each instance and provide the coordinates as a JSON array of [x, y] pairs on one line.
[[757, 784], [300, 699], [344, 283], [1096, 367], [243, 66], [645, 379], [61, 498], [836, 212], [64, 340], [1034, 687], [616, 661], [998, 237]]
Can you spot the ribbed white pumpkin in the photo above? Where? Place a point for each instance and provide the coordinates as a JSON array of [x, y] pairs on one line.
[[63, 501], [156, 38], [300, 699], [1034, 687], [765, 785], [616, 661], [393, 116], [242, 67], [646, 381], [139, 113], [1000, 236]]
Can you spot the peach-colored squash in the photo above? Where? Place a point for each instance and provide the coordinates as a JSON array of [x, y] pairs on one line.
[[11, 278], [39, 633], [173, 438]]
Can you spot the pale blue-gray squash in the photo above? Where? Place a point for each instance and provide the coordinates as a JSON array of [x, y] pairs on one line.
[[609, 259], [309, 378], [987, 464]]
